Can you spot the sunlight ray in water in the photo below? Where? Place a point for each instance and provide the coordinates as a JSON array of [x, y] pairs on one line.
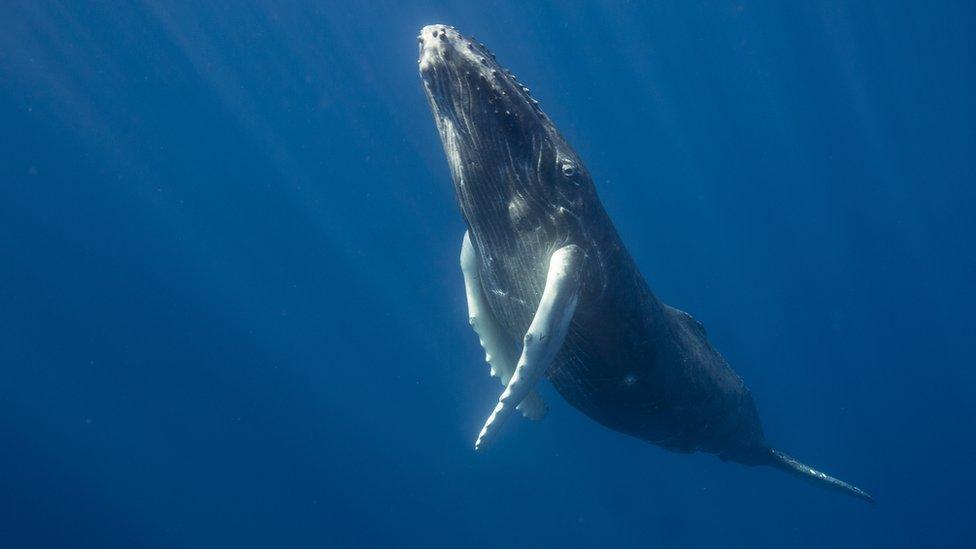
[[232, 311]]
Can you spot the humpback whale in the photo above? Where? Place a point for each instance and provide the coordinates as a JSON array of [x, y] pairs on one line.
[[553, 293]]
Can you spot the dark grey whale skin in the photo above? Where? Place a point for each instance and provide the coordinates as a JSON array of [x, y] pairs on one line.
[[630, 362]]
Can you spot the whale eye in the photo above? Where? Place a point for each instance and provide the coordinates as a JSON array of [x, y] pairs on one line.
[[568, 169]]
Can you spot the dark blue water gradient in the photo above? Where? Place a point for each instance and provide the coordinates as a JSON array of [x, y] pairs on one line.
[[231, 313]]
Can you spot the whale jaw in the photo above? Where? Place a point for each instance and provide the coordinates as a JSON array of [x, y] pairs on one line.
[[511, 168]]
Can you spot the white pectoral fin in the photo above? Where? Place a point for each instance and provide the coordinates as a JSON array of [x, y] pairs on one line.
[[532, 406], [543, 339], [500, 351]]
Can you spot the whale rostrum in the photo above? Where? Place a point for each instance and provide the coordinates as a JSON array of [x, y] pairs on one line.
[[553, 293]]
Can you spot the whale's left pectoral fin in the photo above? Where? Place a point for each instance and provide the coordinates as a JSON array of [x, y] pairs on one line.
[[543, 339], [501, 352]]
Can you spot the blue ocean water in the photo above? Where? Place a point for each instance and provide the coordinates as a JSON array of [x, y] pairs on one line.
[[231, 313]]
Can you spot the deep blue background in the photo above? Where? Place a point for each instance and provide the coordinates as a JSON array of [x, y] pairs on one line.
[[231, 313]]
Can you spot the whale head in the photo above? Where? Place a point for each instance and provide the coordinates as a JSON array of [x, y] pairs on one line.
[[512, 169]]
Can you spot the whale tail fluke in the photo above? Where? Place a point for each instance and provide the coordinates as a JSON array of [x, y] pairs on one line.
[[787, 463]]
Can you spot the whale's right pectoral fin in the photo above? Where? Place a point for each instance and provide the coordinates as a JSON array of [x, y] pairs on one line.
[[500, 350], [545, 336]]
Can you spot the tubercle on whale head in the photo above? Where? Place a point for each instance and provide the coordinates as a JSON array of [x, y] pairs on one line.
[[500, 145], [445, 53]]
